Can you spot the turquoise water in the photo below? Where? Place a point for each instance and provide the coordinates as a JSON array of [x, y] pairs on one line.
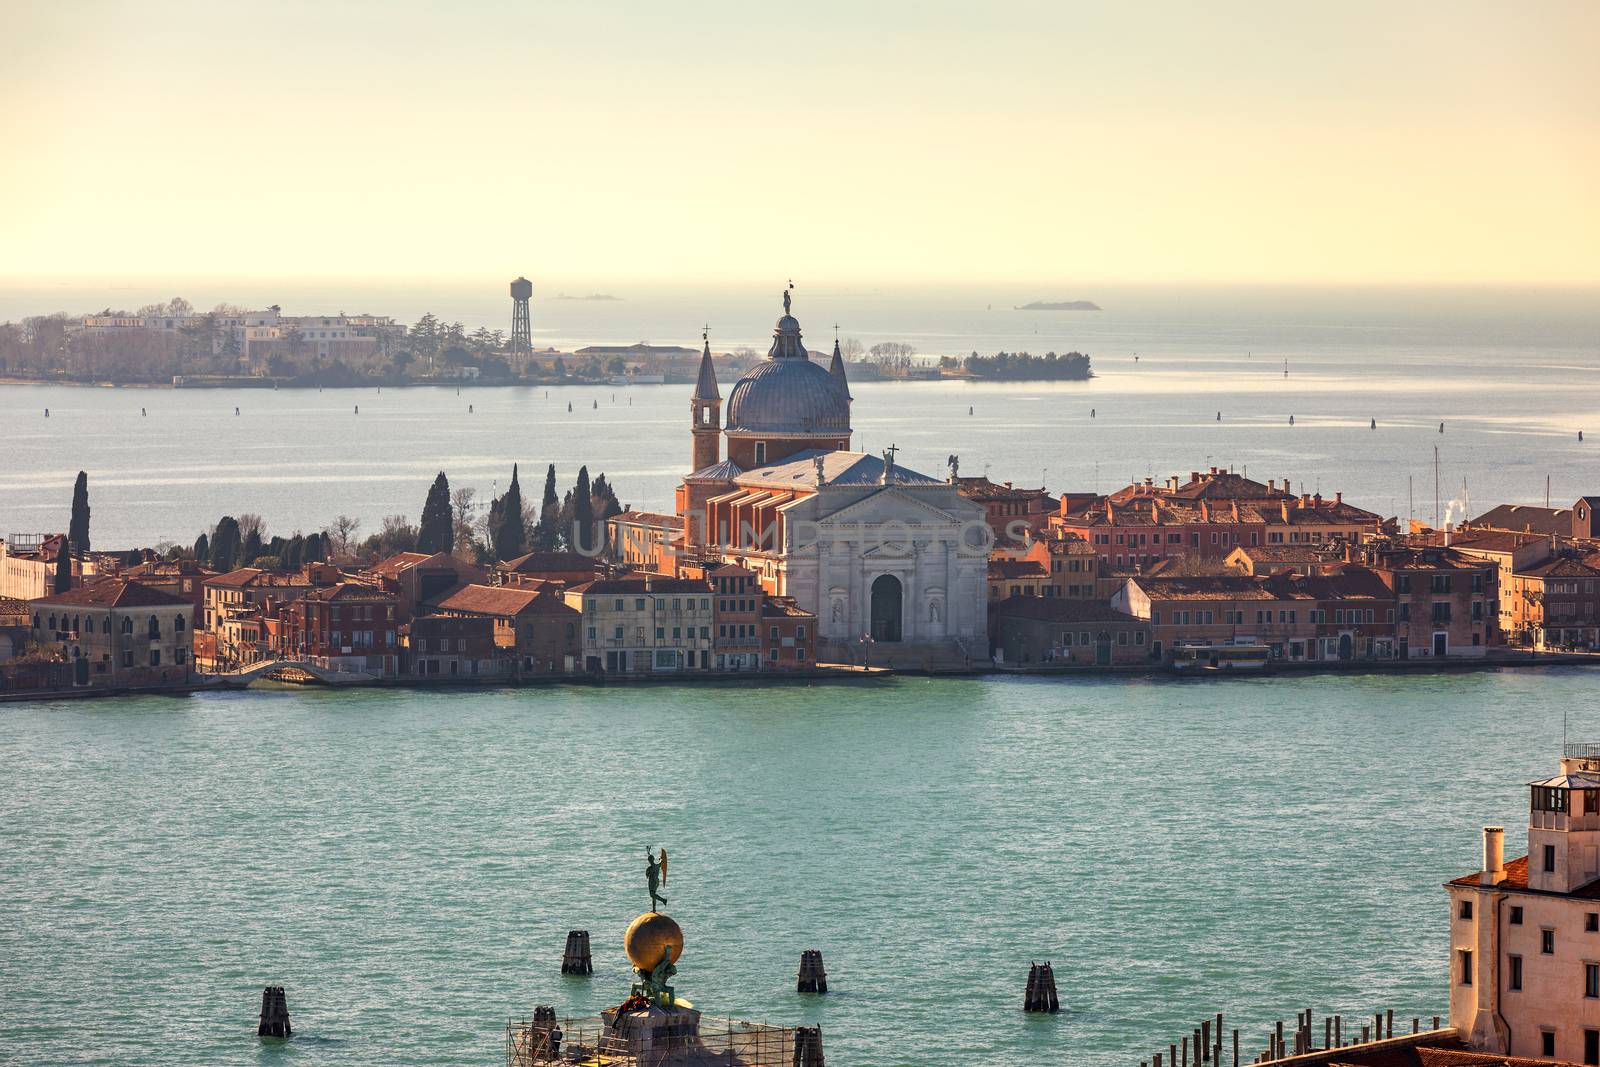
[[408, 863]]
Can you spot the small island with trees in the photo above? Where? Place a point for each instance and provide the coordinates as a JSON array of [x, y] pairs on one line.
[[1023, 366], [1058, 305]]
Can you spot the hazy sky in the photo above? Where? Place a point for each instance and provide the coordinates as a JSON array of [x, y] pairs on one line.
[[853, 142]]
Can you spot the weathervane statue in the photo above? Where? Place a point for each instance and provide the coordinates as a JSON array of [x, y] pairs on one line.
[[656, 874]]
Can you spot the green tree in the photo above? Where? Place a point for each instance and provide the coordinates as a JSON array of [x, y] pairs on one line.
[[202, 549], [436, 533], [225, 545], [78, 532], [252, 547], [63, 575], [506, 531], [547, 534], [582, 533]]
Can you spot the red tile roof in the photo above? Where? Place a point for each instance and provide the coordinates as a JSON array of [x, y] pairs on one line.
[[1060, 609], [549, 562], [113, 593], [1527, 517], [1517, 881], [1017, 568], [503, 600]]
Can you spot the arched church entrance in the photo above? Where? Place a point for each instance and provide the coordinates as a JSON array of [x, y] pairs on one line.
[[886, 608]]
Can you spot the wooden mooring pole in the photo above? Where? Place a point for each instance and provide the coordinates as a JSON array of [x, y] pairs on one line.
[[1040, 995], [274, 1013], [812, 978], [575, 957], [808, 1046]]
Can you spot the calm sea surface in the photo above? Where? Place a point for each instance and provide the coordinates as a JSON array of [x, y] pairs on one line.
[[408, 864]]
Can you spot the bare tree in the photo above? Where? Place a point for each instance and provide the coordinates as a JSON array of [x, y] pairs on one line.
[[343, 531], [463, 505], [851, 349], [248, 521]]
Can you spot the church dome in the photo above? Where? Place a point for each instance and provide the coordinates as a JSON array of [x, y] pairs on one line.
[[789, 394]]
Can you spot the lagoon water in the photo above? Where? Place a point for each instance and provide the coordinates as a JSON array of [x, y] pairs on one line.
[[1511, 374], [408, 863]]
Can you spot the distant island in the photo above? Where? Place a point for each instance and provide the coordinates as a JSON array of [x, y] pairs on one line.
[[1059, 305], [1024, 367], [591, 296]]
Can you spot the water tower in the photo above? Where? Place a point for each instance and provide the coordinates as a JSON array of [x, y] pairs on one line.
[[521, 331]]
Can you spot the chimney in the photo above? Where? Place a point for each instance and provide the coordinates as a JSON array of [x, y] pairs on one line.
[[1338, 498], [1494, 856], [1286, 488], [1272, 485], [1317, 500]]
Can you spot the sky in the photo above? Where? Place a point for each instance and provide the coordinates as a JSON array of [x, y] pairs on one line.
[[1161, 141]]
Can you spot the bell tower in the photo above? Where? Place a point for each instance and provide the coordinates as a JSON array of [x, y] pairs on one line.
[[706, 410]]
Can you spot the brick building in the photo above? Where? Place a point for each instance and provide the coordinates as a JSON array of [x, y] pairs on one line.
[[350, 626], [452, 648], [788, 635], [1554, 604], [1014, 515], [1446, 602], [1064, 632], [533, 626]]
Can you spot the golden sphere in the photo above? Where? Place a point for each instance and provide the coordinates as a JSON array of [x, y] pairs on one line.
[[648, 938]]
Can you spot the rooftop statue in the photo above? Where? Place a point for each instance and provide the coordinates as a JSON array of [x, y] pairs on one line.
[[656, 874]]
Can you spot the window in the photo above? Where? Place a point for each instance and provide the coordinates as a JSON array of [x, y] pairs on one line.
[[1402, 583], [1591, 1046], [177, 624], [1549, 800], [1516, 915], [761, 453], [155, 657], [1591, 922], [1465, 911], [773, 655], [1549, 859], [800, 634], [1514, 979], [1547, 1043], [799, 653], [1591, 981], [1547, 942], [1464, 958], [772, 633]]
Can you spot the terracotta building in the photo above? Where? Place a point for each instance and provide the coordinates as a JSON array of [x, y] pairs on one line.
[[788, 635], [1525, 933], [1446, 602], [1015, 516], [452, 648], [350, 626], [532, 626], [1063, 632], [1554, 604], [1211, 514]]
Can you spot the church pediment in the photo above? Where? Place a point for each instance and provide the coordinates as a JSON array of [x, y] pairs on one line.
[[890, 504]]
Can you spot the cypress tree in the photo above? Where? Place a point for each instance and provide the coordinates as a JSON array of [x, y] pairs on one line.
[[506, 529], [63, 575], [436, 532], [293, 554], [547, 534], [78, 532], [225, 545], [202, 549], [582, 513], [252, 547]]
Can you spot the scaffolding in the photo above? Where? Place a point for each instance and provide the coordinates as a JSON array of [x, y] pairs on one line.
[[590, 1042]]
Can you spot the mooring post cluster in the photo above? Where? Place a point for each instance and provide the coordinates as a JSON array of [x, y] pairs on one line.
[[575, 958], [274, 1013], [808, 1046], [1204, 1043], [1040, 995], [812, 977]]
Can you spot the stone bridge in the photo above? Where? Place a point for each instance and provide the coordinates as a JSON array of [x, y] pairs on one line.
[[299, 670]]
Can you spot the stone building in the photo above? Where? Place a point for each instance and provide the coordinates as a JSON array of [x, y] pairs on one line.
[[645, 624], [118, 633], [1525, 933]]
